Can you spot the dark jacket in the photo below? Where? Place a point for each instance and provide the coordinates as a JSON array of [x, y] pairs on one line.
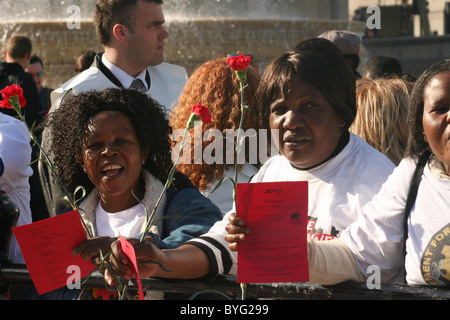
[[13, 73]]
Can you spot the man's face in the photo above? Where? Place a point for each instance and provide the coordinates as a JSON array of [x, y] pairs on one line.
[[146, 42], [35, 69]]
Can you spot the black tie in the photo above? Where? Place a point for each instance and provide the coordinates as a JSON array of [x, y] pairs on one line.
[[138, 85]]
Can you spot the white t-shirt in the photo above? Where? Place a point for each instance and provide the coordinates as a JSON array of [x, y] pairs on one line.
[[337, 191], [15, 157], [127, 222], [222, 197], [376, 238]]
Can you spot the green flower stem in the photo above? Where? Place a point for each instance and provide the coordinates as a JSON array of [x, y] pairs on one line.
[[167, 184], [238, 143], [242, 76]]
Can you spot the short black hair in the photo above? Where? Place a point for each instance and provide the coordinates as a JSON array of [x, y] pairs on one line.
[[109, 12], [382, 67], [320, 64], [35, 58]]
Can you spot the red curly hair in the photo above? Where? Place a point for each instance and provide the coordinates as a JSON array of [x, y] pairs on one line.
[[214, 84]]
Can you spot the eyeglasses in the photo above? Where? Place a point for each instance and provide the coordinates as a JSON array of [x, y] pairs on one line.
[[40, 74]]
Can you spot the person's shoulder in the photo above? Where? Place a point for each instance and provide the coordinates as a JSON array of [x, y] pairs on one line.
[[91, 77], [168, 66], [275, 165], [9, 124], [170, 69], [408, 164], [275, 161], [369, 153]]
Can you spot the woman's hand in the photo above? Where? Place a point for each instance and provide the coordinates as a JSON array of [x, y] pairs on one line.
[[89, 249], [148, 257], [236, 231]]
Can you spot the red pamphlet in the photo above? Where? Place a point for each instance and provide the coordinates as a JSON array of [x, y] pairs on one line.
[[128, 249], [276, 214], [47, 246]]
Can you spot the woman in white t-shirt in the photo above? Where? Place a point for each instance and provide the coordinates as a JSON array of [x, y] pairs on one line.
[[380, 237], [308, 101], [116, 144]]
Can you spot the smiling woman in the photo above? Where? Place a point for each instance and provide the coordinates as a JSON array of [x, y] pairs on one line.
[[112, 159], [117, 146], [308, 97]]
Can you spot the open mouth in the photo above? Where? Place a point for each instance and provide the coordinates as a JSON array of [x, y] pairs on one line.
[[295, 140], [112, 170]]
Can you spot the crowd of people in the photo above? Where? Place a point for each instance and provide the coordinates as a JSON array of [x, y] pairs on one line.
[[364, 143]]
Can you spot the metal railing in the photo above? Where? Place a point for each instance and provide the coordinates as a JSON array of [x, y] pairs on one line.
[[16, 273]]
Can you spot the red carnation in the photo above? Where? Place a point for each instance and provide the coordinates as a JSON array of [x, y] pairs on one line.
[[202, 112], [240, 62], [12, 97]]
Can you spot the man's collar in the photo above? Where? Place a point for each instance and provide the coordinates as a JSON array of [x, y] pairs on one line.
[[117, 75]]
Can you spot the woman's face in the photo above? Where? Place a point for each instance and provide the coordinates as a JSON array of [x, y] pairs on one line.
[[436, 117], [112, 159], [307, 125]]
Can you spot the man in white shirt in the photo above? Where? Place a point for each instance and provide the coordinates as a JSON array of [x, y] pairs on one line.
[[133, 36], [15, 157]]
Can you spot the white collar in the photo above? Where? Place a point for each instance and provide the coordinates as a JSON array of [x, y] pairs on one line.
[[124, 78]]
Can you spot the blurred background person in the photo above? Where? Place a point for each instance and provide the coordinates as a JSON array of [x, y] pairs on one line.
[[349, 43], [36, 69], [84, 60], [382, 67], [382, 115], [12, 71], [214, 84]]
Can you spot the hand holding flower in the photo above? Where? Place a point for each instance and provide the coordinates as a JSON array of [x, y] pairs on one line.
[[147, 256], [89, 249]]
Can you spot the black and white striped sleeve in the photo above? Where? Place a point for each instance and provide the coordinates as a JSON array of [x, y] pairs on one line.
[[221, 259]]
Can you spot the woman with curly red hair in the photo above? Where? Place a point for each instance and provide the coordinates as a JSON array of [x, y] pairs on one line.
[[214, 84]]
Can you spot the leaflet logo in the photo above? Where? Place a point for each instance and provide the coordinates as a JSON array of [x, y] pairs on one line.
[[317, 233], [273, 190]]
